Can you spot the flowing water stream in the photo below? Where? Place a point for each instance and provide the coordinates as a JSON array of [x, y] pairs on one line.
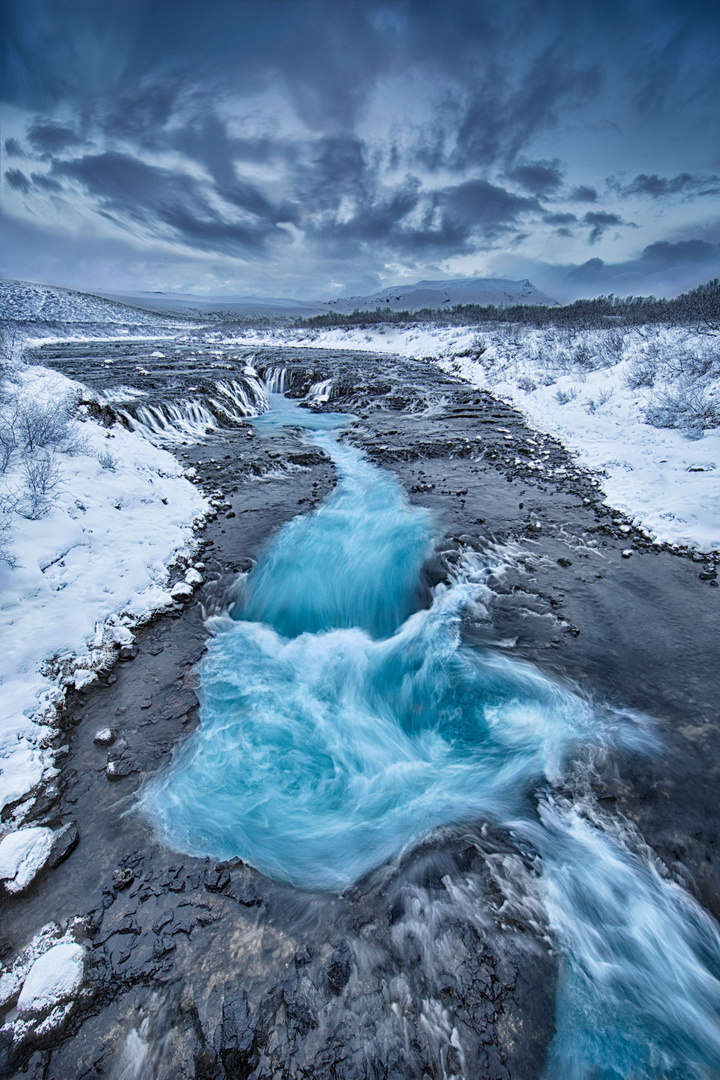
[[343, 719]]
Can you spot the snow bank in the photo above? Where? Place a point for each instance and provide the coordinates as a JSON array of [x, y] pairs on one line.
[[54, 977], [594, 390], [84, 573]]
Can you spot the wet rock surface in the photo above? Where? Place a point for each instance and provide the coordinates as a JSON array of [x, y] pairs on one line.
[[209, 970]]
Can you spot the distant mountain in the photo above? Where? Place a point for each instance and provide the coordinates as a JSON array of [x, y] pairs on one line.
[[219, 307], [27, 301], [446, 293]]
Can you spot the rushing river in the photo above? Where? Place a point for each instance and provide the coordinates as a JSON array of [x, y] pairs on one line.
[[342, 721]]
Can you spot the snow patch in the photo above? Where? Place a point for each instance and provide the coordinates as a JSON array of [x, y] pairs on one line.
[[22, 854], [54, 977]]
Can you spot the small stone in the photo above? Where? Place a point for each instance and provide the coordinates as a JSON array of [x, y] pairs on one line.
[[123, 878], [146, 703], [104, 737], [128, 652], [116, 770], [564, 562], [627, 553], [194, 577]]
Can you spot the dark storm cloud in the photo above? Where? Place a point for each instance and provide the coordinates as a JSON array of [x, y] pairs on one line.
[[600, 220], [583, 193], [538, 177], [663, 267], [683, 251], [658, 187], [13, 148], [44, 182], [477, 203], [17, 180], [46, 137], [129, 191], [559, 218], [417, 223]]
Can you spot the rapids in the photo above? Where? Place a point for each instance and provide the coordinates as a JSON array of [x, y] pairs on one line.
[[342, 722]]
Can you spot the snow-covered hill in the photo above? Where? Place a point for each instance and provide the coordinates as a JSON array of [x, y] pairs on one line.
[[438, 294], [28, 302]]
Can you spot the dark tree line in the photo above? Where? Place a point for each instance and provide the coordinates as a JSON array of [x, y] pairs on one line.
[[699, 309]]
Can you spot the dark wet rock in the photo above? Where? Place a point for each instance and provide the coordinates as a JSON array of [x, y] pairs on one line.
[[244, 890], [119, 768], [564, 562], [123, 877], [104, 737], [340, 967], [66, 840], [164, 920], [237, 1036], [216, 879], [128, 652]]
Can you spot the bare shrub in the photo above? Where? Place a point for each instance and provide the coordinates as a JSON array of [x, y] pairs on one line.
[[6, 555], [642, 371], [597, 402], [47, 426], [586, 357], [611, 346], [43, 479], [563, 397], [107, 460], [686, 406], [8, 440]]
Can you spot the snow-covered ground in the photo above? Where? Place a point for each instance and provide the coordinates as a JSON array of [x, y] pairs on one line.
[[88, 565], [603, 393]]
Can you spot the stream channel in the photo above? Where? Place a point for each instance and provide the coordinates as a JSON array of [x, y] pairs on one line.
[[390, 845]]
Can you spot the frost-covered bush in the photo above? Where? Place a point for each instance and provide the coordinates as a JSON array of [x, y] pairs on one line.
[[8, 441], [599, 400], [33, 430], [642, 371], [45, 425], [42, 481], [688, 405], [107, 460], [563, 397]]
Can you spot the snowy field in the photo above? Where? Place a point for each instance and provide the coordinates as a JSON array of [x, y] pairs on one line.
[[639, 406], [92, 516]]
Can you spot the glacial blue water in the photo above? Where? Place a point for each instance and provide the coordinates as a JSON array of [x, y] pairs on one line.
[[339, 725]]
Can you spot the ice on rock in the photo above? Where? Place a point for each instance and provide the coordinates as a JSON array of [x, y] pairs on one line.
[[104, 737], [181, 591], [83, 678], [22, 854], [55, 977], [194, 577]]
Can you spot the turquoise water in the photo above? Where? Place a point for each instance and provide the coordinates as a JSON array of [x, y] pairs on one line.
[[339, 724]]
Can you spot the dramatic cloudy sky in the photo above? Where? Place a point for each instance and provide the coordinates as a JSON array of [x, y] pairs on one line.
[[311, 147]]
